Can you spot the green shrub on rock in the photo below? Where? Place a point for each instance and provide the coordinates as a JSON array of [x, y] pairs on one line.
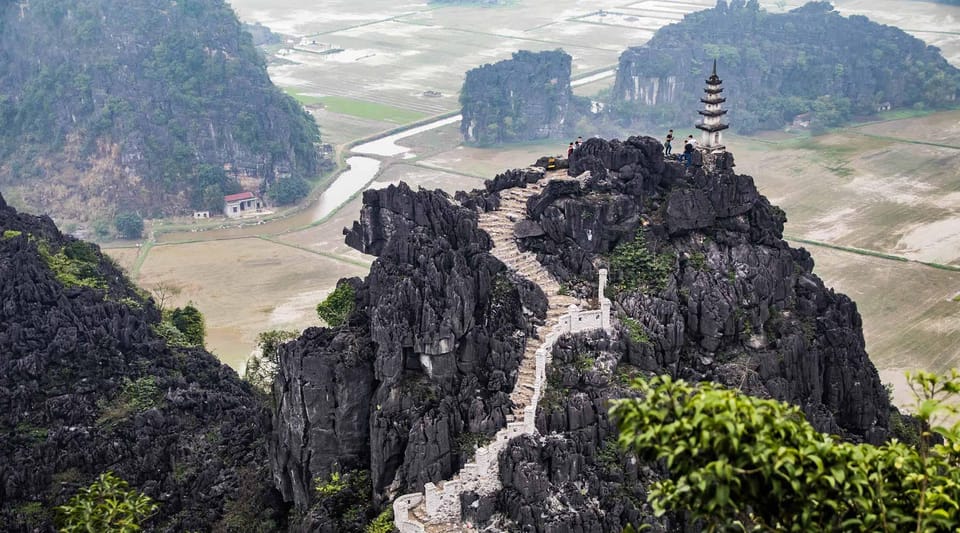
[[106, 505], [749, 464], [337, 307]]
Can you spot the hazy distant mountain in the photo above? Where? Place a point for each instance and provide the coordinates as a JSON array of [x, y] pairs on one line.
[[138, 104], [776, 66]]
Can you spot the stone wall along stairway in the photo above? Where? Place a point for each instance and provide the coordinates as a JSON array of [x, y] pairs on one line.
[[437, 509]]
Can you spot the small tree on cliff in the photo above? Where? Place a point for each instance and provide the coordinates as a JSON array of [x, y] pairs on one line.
[[337, 307], [261, 368], [740, 463], [189, 321]]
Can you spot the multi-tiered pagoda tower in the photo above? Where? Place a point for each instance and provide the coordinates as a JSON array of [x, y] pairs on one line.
[[712, 137]]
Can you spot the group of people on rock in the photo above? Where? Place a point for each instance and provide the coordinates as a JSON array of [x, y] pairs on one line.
[[690, 155], [689, 148], [573, 146]]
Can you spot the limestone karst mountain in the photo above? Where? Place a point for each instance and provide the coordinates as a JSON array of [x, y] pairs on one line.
[[780, 65], [427, 369], [138, 105], [524, 98]]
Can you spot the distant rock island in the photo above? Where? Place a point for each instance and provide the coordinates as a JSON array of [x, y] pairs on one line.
[[524, 98], [110, 104], [780, 65]]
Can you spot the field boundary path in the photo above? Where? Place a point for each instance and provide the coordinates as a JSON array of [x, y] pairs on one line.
[[437, 509]]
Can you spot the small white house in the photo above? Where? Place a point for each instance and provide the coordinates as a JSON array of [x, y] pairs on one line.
[[240, 204], [201, 214]]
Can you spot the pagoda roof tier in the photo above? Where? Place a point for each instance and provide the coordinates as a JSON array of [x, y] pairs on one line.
[[717, 113], [713, 90], [714, 80], [718, 100], [712, 127]]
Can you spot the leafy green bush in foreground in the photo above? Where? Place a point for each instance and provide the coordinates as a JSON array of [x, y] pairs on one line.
[[740, 463]]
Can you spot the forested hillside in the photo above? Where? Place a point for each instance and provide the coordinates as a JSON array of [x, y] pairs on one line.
[[776, 66], [137, 105]]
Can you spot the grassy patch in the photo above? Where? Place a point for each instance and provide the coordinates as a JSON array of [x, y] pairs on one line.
[[360, 108], [136, 397], [31, 432], [11, 233], [468, 443]]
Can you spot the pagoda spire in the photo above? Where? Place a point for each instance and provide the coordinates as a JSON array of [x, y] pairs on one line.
[[712, 112]]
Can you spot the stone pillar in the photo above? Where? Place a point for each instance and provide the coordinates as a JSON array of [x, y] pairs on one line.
[[603, 284], [605, 315], [433, 499]]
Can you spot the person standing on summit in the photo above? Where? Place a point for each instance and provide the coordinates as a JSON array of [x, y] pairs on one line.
[[667, 147]]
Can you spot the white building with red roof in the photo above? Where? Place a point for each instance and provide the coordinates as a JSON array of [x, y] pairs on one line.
[[241, 204]]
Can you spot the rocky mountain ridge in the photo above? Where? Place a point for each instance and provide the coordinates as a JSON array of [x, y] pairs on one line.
[[88, 383]]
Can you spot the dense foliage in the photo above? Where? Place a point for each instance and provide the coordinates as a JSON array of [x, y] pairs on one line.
[[190, 322], [155, 88], [106, 505], [743, 463], [129, 225], [288, 190], [778, 65], [337, 307], [634, 266]]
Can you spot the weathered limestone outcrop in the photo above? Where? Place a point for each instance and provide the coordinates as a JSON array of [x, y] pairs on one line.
[[87, 386], [702, 287], [424, 368], [524, 98]]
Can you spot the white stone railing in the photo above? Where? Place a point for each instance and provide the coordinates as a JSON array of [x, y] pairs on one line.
[[401, 513]]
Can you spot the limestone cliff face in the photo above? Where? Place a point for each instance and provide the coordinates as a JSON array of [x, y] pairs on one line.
[[710, 291], [524, 98], [423, 367], [86, 386]]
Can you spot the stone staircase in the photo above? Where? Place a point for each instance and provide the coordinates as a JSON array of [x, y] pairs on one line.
[[437, 509]]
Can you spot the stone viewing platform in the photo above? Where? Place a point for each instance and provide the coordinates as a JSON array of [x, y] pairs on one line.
[[437, 509]]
